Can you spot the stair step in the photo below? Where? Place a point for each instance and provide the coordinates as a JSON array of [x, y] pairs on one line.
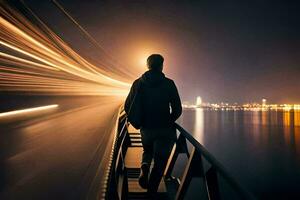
[[135, 136], [135, 144], [136, 139], [133, 173], [134, 187], [131, 129], [133, 160], [133, 157]]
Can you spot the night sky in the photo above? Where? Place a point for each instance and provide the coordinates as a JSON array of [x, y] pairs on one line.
[[230, 52]]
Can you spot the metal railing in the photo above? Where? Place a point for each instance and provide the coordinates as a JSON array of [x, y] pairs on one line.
[[116, 166], [195, 168], [116, 183]]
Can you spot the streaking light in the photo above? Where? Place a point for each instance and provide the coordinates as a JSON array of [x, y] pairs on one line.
[[28, 110], [34, 59]]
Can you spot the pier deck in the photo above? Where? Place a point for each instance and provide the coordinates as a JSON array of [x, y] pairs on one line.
[[132, 163]]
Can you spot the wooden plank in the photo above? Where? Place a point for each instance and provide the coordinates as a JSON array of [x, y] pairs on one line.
[[134, 187], [131, 129], [135, 135], [132, 163], [135, 139], [133, 157], [136, 145], [133, 173]]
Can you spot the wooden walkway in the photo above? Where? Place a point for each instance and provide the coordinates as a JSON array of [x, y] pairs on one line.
[[132, 163]]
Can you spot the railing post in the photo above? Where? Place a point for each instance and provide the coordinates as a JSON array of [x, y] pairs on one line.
[[124, 185], [182, 146], [212, 184], [179, 147], [126, 143], [194, 168]]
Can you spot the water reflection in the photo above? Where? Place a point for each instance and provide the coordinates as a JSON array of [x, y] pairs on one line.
[[286, 118], [255, 119], [297, 131], [260, 148], [287, 128], [297, 118], [199, 125], [264, 117]]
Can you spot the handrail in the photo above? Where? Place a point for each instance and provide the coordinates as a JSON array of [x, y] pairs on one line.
[[106, 191], [215, 163]]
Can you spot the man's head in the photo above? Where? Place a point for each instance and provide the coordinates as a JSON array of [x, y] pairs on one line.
[[155, 62]]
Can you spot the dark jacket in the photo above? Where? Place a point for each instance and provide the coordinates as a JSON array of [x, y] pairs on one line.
[[158, 95]]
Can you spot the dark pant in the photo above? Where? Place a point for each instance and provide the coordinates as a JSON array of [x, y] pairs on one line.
[[157, 145]]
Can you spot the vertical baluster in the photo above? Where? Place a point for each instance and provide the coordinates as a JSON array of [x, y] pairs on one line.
[[212, 184], [125, 185], [179, 147], [194, 168], [182, 145]]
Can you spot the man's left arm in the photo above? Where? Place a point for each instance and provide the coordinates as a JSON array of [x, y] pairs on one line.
[[130, 97]]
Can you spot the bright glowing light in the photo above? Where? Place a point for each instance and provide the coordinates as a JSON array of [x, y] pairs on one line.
[[143, 60], [264, 102], [198, 101], [28, 110]]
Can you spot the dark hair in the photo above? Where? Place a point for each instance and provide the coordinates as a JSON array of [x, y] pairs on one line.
[[155, 62]]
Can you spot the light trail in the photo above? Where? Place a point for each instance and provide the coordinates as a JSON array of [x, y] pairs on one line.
[[21, 60], [90, 38], [26, 111], [34, 59]]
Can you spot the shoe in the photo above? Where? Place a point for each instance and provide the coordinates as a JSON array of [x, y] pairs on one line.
[[143, 178]]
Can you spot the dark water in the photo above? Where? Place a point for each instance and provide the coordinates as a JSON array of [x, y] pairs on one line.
[[261, 149]]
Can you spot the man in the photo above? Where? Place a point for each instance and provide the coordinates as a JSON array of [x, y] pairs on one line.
[[160, 108]]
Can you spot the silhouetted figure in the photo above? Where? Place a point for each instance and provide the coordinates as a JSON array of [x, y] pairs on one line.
[[160, 108]]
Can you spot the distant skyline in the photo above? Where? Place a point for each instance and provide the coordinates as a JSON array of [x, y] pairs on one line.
[[231, 52], [198, 100]]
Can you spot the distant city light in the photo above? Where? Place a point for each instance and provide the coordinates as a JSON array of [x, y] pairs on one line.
[[264, 102], [246, 106], [198, 101]]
